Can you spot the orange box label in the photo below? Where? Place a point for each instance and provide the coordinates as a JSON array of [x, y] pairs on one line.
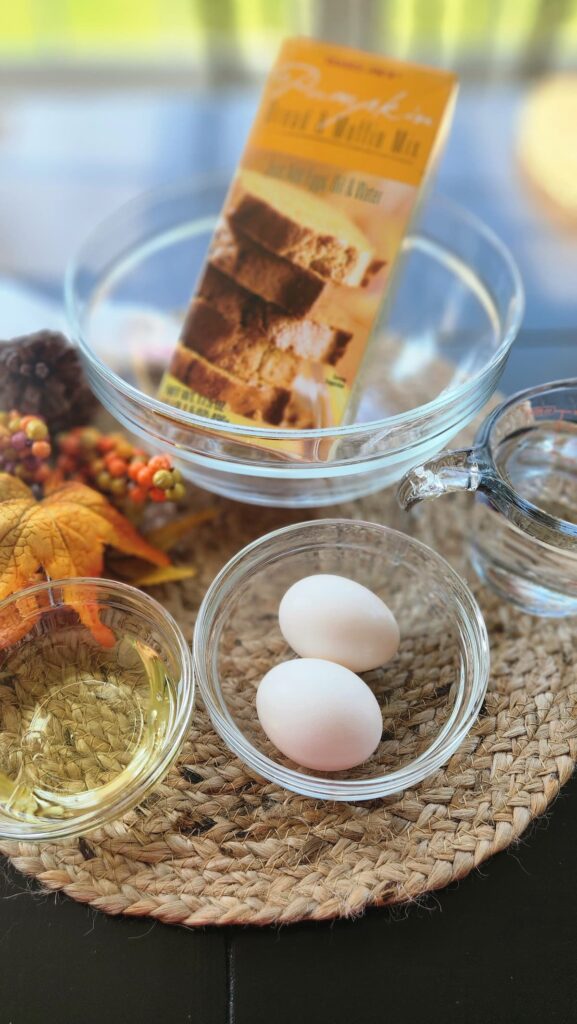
[[352, 110]]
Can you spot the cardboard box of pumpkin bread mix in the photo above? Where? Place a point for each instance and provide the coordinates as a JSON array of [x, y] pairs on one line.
[[301, 258]]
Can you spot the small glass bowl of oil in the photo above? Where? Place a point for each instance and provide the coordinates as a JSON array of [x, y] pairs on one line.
[[96, 697]]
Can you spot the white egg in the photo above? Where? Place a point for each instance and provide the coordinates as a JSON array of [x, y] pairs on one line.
[[319, 714], [335, 618]]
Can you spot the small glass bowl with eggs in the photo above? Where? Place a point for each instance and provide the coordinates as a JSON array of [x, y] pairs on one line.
[[341, 659]]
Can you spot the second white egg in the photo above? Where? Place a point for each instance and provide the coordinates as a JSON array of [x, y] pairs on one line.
[[319, 714], [335, 618]]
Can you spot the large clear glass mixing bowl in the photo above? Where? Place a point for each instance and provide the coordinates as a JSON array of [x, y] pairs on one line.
[[435, 358]]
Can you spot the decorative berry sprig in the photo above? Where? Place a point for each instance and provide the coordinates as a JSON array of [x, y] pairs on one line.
[[25, 448], [41, 535], [114, 466], [109, 463]]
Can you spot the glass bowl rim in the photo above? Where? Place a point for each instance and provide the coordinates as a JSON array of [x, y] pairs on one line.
[[190, 421], [483, 440], [132, 795], [319, 787]]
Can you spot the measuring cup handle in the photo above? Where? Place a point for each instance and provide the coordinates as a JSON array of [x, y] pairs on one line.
[[458, 470]]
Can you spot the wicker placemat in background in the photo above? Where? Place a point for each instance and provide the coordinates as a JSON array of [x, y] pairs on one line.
[[216, 845]]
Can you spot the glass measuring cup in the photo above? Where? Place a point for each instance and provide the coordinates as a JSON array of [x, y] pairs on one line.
[[523, 468]]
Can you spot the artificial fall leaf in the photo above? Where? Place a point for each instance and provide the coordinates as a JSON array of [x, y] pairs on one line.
[[165, 574], [137, 572], [165, 537], [20, 615], [12, 487], [64, 535]]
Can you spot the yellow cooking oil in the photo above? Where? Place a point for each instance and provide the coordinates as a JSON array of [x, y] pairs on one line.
[[78, 723]]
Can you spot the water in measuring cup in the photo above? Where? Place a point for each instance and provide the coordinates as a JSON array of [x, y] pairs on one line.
[[541, 466]]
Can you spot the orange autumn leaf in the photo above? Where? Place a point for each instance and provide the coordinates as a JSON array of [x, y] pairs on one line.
[[64, 535], [165, 537], [18, 618], [166, 574], [12, 487]]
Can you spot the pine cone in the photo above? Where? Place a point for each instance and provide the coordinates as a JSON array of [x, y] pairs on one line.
[[41, 374]]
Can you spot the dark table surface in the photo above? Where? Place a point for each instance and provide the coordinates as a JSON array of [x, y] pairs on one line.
[[499, 947]]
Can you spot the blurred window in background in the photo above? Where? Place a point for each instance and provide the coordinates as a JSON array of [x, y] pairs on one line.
[[235, 39], [103, 99]]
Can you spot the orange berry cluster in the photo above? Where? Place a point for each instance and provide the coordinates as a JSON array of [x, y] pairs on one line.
[[113, 465], [24, 447]]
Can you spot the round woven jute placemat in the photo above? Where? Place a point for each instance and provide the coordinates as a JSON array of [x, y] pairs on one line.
[[217, 845]]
